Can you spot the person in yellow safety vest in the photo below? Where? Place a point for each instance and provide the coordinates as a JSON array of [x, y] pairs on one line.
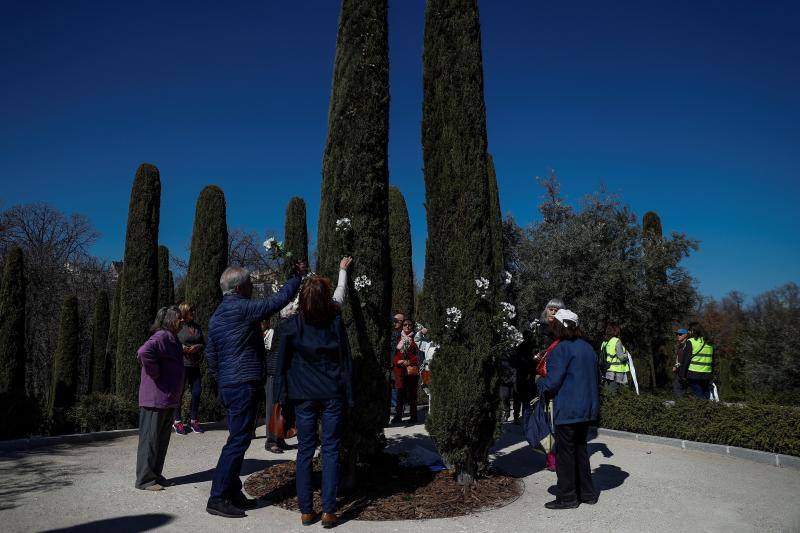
[[696, 367], [614, 359]]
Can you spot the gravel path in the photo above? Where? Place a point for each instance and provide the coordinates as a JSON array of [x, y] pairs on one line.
[[645, 487]]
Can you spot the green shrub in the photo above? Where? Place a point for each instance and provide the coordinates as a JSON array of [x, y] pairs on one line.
[[770, 428], [102, 412]]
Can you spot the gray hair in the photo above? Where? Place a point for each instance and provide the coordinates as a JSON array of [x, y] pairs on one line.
[[554, 302], [165, 317], [232, 278]]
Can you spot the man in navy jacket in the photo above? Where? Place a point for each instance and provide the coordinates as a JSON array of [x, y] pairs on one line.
[[236, 357]]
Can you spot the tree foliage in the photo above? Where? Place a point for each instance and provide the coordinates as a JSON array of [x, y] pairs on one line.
[[139, 292], [463, 231], [57, 262], [756, 345], [355, 186], [594, 259], [111, 343], [400, 251], [12, 324], [166, 292], [64, 381], [295, 236], [207, 262], [97, 353]]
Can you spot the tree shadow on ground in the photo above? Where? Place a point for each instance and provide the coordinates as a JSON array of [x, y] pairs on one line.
[[27, 475], [248, 467], [121, 524]]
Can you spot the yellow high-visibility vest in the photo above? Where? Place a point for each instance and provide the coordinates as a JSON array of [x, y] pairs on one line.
[[702, 354], [609, 347]]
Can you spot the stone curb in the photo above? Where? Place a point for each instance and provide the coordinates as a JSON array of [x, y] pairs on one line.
[[19, 445], [775, 459]]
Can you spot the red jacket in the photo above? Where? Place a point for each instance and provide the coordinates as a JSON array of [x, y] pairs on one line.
[[400, 375]]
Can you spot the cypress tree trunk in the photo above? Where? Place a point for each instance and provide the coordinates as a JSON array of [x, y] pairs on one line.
[[355, 186], [100, 322], [111, 343], [139, 280], [171, 293], [12, 325], [461, 245], [400, 251], [208, 259], [64, 380], [165, 290], [180, 292], [295, 240]]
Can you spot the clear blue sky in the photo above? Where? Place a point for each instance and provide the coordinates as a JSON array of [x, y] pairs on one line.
[[687, 108]]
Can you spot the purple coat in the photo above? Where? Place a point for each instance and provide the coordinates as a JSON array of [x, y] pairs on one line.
[[161, 358]]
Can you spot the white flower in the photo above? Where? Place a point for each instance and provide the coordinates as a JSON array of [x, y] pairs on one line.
[[506, 277], [508, 310], [510, 334], [269, 243], [453, 317], [361, 282], [483, 287], [343, 224], [275, 286]]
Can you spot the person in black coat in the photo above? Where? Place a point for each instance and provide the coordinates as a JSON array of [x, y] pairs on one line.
[[314, 376], [571, 381]]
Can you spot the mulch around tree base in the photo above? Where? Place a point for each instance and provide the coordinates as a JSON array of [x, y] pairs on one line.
[[391, 492]]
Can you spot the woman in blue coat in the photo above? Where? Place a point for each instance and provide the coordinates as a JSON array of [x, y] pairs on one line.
[[314, 375], [572, 382]]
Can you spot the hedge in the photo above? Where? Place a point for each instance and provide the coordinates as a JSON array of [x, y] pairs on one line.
[[770, 428]]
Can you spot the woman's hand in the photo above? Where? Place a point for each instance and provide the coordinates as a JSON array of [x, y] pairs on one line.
[[345, 262]]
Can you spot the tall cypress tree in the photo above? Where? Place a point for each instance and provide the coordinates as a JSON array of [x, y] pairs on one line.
[[165, 290], [295, 240], [64, 380], [100, 325], [656, 278], [355, 186], [207, 262], [12, 325], [400, 250], [139, 280], [461, 245], [111, 343]]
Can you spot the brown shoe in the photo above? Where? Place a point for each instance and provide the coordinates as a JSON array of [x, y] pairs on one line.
[[308, 518], [154, 487], [329, 520]]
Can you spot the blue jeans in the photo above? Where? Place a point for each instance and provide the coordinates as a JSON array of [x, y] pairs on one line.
[[241, 402], [307, 412], [700, 388], [195, 381]]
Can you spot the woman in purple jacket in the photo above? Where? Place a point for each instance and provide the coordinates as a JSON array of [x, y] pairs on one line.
[[160, 390]]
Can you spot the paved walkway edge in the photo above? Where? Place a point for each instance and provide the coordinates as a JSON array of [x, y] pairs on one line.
[[81, 438], [775, 459], [757, 456]]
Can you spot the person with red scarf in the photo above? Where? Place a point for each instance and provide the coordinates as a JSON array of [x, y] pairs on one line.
[[405, 366]]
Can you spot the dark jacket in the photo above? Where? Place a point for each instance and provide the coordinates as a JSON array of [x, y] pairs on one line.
[[189, 334], [314, 361], [572, 380], [162, 373], [235, 346]]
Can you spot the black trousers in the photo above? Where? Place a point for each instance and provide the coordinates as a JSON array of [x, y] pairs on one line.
[[572, 467], [155, 428]]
